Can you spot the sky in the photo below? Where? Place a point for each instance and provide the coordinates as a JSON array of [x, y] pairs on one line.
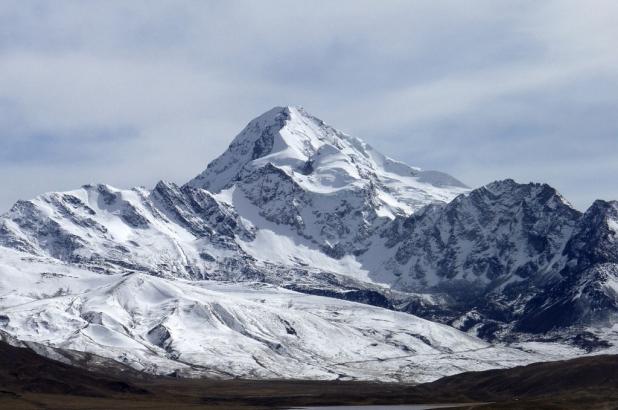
[[132, 92]]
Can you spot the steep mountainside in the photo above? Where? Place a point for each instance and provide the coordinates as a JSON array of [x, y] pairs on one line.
[[294, 205], [330, 189]]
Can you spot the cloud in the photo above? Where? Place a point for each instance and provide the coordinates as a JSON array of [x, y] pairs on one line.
[[131, 92]]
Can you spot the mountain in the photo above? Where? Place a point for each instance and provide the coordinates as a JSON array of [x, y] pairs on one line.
[[292, 216], [331, 190]]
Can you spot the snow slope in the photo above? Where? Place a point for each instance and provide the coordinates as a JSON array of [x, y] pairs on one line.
[[222, 329]]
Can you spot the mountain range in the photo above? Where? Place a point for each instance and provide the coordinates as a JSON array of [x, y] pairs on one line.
[[302, 252]]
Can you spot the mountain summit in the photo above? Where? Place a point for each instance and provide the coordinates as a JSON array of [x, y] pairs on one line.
[[332, 190], [323, 160]]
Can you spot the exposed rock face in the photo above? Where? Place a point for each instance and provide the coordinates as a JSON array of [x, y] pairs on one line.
[[588, 290], [503, 232], [596, 238]]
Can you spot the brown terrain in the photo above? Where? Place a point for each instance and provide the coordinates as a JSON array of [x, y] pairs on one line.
[[31, 381]]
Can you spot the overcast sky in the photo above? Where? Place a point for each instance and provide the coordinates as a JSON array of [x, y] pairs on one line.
[[130, 92]]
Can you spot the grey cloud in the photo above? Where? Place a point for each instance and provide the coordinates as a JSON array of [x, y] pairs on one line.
[[131, 92]]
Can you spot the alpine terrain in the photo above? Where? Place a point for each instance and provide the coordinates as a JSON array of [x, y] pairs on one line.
[[302, 252]]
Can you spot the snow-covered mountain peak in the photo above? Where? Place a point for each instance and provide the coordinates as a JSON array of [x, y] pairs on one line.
[[282, 136], [317, 158], [328, 188]]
